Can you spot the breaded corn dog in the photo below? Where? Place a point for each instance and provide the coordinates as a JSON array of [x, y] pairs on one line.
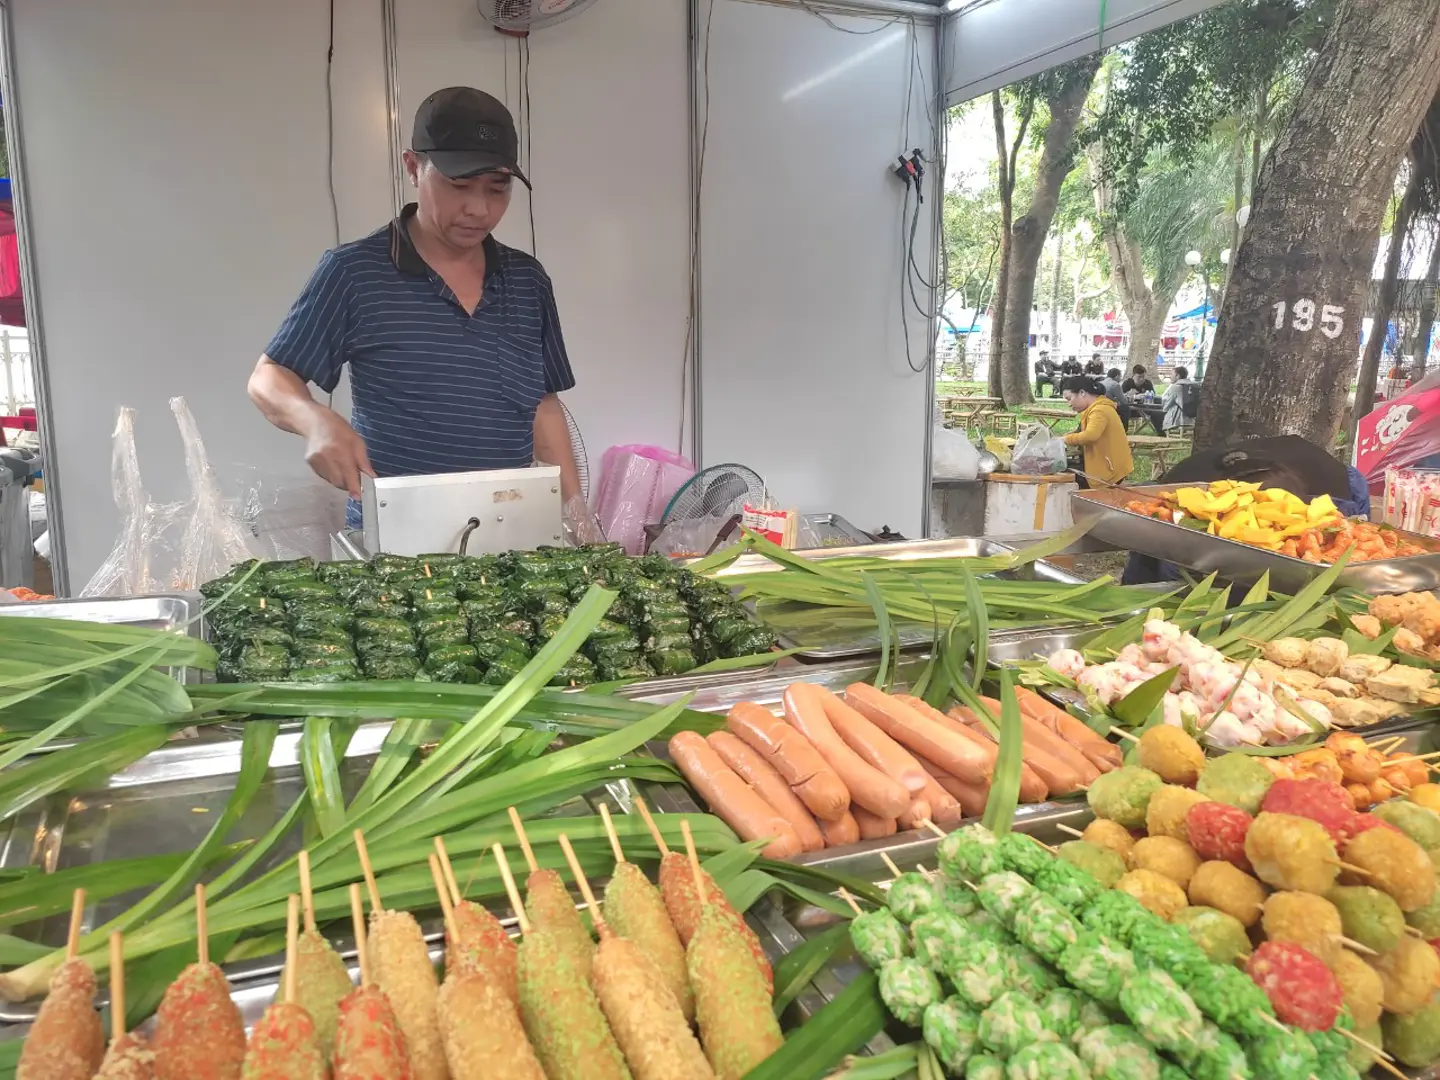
[[283, 1044], [550, 907], [129, 1056], [199, 1034], [368, 1042], [321, 977], [66, 1042], [476, 942]]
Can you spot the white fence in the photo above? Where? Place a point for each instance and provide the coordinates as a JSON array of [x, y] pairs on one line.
[[19, 378]]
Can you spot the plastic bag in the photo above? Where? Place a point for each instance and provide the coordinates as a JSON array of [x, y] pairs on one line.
[[636, 484], [695, 537], [953, 456], [581, 526], [1038, 452], [216, 537], [292, 516]]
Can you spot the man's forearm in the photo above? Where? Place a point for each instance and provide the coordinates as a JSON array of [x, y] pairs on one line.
[[553, 447], [283, 398]]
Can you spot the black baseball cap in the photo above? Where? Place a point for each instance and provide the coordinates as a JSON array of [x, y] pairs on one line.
[[466, 132]]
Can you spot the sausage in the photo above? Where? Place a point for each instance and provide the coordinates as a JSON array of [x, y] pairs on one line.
[[1059, 776], [793, 757], [944, 808], [869, 787], [873, 745], [970, 799], [769, 785], [1033, 788], [918, 812], [843, 830], [956, 755], [873, 826], [1101, 753], [1046, 738], [749, 815]]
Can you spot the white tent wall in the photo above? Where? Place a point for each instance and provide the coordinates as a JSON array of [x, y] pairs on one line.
[[992, 43]]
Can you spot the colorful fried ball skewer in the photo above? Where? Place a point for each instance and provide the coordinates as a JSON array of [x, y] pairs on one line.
[[646, 1019], [400, 961], [66, 1041], [477, 941], [561, 1015], [479, 1022], [636, 911], [683, 903], [129, 1056], [732, 1004], [199, 1034], [283, 1044], [369, 1044], [550, 907], [321, 977]]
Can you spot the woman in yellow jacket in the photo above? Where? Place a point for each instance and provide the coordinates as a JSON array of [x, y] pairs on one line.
[[1102, 436]]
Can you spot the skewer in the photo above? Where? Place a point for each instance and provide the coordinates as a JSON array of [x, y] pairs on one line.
[[117, 987], [202, 926], [1124, 734], [1414, 932], [1358, 1041], [307, 895], [357, 920], [610, 832], [1427, 757], [77, 916], [1391, 1069], [368, 871], [694, 860], [1352, 868], [655, 833], [1069, 830], [1042, 843], [292, 937], [1385, 746], [889, 864], [449, 871], [524, 840], [442, 890], [1267, 1018], [1362, 949], [520, 918], [596, 915], [927, 823], [845, 895]]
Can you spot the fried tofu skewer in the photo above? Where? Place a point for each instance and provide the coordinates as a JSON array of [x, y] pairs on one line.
[[368, 1042], [400, 961], [636, 910], [283, 1043], [199, 1034], [129, 1056], [67, 1041], [475, 939], [479, 1023], [564, 1021], [550, 907], [653, 1033]]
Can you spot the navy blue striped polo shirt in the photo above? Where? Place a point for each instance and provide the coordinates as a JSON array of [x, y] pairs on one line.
[[435, 388]]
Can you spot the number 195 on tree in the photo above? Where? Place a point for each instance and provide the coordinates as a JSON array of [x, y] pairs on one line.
[[1302, 317]]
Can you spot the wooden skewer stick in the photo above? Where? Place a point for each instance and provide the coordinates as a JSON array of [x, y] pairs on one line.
[[1367, 1044], [845, 895], [510, 890], [1385, 746], [1414, 932], [202, 925], [449, 871], [1391, 1069], [117, 987], [292, 938], [1364, 950], [524, 840], [442, 890], [655, 833], [610, 832], [1124, 734], [307, 893], [1429, 756], [1069, 830], [357, 920], [1267, 1018], [1042, 843], [77, 916], [941, 833], [596, 915], [890, 864], [1352, 868], [694, 862], [369, 872]]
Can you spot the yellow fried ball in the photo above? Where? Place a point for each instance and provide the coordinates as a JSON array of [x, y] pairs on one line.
[[1408, 973], [1110, 834], [1172, 754], [1165, 816], [1361, 986], [1158, 893], [1391, 862], [1226, 888], [1426, 795], [1167, 856], [1307, 920], [1290, 852]]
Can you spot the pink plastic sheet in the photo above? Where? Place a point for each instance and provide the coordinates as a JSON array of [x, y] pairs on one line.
[[636, 484]]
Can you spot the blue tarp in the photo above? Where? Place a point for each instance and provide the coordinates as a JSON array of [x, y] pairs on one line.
[[1194, 313]]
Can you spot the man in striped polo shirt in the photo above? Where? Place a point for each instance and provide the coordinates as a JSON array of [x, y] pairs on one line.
[[452, 338]]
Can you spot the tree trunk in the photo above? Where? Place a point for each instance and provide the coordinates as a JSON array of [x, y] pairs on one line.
[[1425, 327], [999, 301], [1027, 236], [1386, 296], [1306, 256], [1055, 296], [1235, 221]]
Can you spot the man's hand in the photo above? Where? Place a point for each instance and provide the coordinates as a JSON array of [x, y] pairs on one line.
[[336, 452]]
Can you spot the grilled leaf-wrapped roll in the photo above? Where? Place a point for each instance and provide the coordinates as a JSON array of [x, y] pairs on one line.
[[757, 639], [311, 617], [578, 671], [608, 631], [672, 661], [341, 572], [548, 603], [308, 649], [637, 670], [547, 626], [222, 584], [443, 626], [454, 672], [289, 570], [446, 655], [388, 566], [394, 647], [263, 663], [334, 674], [494, 644], [505, 668], [515, 624], [395, 629], [389, 667], [375, 603]]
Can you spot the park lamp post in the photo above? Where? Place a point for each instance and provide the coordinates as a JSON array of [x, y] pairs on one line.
[[1196, 261]]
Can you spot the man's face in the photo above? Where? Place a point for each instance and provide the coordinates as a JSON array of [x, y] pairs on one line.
[[463, 211]]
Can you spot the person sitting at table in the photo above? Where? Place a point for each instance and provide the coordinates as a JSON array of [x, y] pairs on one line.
[[1095, 366], [1104, 445], [1138, 383], [1044, 374], [1111, 382], [1181, 401], [1071, 367]]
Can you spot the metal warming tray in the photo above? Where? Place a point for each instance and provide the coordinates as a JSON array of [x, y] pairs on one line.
[[835, 531], [178, 612], [1104, 511]]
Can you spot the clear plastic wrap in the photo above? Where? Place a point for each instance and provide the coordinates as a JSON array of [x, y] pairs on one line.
[[636, 484], [215, 537], [1038, 452], [953, 456], [581, 525], [292, 516], [695, 538]]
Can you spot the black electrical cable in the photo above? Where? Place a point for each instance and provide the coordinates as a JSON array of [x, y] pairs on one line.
[[845, 29], [703, 104], [330, 125], [529, 165]]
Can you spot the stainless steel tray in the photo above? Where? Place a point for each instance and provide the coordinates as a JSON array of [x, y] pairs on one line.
[[835, 531], [167, 611], [1234, 561]]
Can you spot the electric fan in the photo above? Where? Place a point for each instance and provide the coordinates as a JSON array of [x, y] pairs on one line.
[[717, 491], [577, 447], [519, 17]]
